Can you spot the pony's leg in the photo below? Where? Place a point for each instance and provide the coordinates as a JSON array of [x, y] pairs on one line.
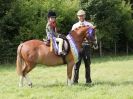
[[69, 72], [28, 80], [21, 81], [27, 69]]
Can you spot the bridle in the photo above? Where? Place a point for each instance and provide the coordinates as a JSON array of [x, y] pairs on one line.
[[91, 37]]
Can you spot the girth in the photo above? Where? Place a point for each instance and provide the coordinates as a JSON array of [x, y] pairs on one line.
[[64, 56]]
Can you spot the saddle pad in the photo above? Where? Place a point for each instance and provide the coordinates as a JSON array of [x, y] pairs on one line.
[[73, 47]]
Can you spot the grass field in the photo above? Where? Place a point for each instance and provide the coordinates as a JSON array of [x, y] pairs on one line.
[[112, 79]]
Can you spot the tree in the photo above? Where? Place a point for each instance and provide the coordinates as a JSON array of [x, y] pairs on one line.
[[108, 18], [127, 24], [22, 20]]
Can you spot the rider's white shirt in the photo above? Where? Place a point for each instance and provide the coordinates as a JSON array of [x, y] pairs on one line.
[[78, 24]]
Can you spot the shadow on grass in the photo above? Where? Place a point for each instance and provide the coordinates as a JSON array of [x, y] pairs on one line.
[[50, 85], [109, 83]]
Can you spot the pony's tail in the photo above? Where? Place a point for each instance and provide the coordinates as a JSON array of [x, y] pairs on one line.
[[19, 61]]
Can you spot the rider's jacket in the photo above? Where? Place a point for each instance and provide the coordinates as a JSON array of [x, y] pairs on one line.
[[51, 29]]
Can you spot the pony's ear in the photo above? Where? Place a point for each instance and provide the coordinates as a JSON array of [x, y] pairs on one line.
[[94, 27], [79, 27], [91, 26]]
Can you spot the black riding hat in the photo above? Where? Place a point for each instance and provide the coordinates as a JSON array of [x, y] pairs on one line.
[[51, 14]]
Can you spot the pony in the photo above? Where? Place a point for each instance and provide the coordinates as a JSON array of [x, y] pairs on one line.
[[33, 52]]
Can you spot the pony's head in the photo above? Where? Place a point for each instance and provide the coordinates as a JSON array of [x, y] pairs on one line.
[[91, 37], [88, 33]]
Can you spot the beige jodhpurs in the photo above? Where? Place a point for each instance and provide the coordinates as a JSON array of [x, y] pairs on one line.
[[60, 40]]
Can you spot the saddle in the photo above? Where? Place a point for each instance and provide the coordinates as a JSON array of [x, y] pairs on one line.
[[47, 42], [65, 46]]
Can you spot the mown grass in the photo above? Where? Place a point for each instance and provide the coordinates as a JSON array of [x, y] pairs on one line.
[[112, 79]]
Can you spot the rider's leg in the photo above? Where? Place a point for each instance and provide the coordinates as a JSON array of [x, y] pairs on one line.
[[60, 44]]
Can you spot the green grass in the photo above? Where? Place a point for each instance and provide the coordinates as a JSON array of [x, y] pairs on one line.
[[112, 79]]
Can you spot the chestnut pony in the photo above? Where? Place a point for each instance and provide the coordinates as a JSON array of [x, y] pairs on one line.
[[33, 52]]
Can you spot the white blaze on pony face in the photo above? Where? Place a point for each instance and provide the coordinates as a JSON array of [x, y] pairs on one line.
[[95, 46]]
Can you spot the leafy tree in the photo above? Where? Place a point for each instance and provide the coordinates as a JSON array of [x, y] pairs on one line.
[[126, 25], [22, 20], [108, 17]]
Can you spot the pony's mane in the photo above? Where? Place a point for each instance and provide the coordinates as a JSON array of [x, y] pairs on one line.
[[78, 28]]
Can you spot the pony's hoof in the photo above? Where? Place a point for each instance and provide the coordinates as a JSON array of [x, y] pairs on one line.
[[20, 85], [30, 85], [69, 83]]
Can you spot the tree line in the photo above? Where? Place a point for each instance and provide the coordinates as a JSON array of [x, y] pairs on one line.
[[22, 20]]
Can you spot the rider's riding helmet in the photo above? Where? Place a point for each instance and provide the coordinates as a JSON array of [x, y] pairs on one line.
[[51, 14]]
